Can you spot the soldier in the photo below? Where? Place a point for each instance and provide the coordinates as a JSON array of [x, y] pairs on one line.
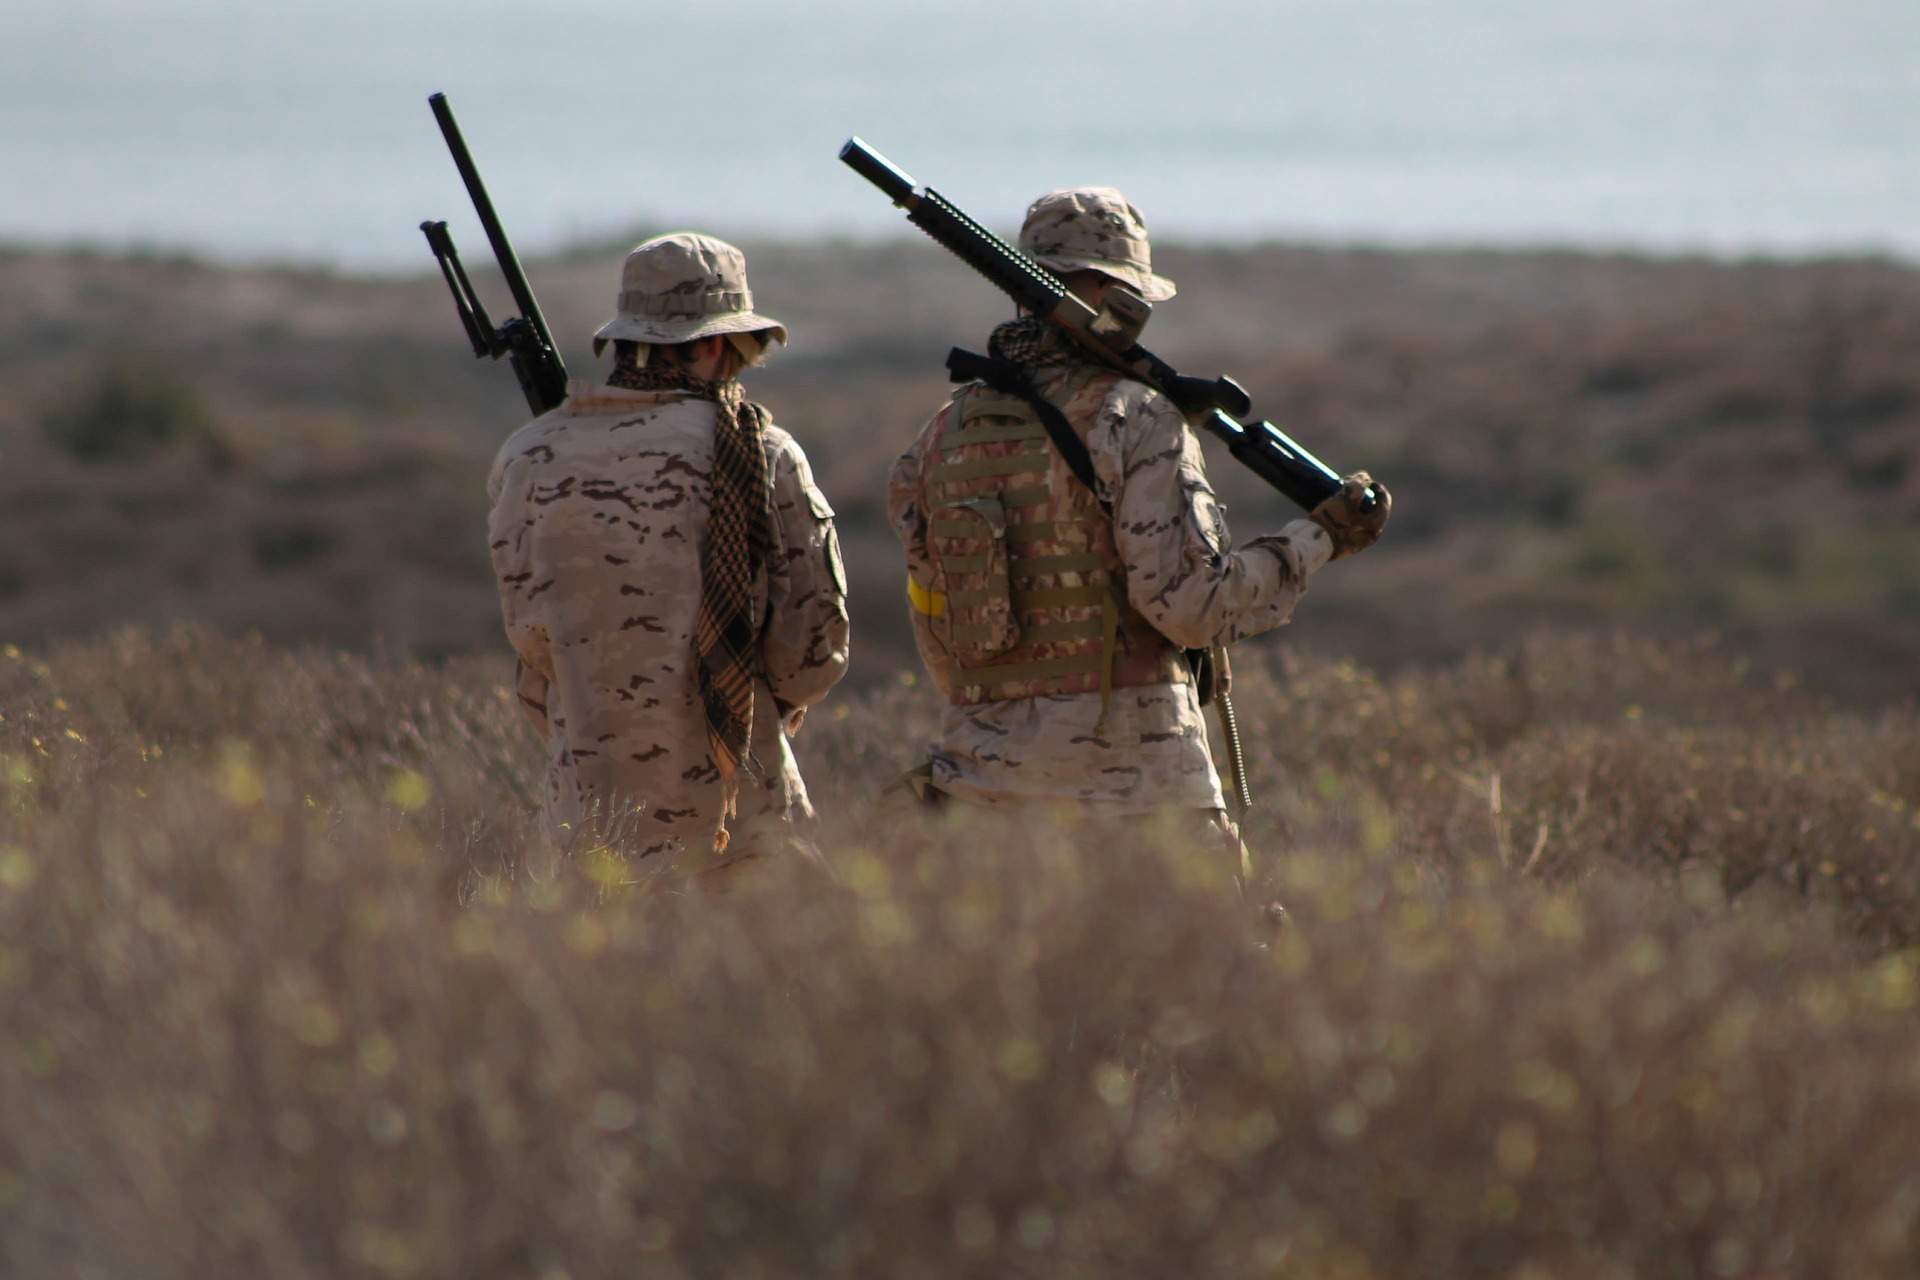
[[669, 574], [1054, 618]]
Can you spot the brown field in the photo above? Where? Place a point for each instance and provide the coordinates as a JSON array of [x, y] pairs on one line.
[[1603, 964], [1573, 441], [1593, 793]]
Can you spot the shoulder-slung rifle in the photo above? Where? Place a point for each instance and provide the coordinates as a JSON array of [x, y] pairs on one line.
[[523, 339], [1109, 335]]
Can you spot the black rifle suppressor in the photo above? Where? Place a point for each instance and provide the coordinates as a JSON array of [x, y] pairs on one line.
[[523, 339], [1108, 334]]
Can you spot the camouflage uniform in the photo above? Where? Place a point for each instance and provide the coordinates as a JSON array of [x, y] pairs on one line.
[[1124, 730], [599, 513]]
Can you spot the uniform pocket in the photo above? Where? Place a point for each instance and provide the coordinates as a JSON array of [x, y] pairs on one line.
[[1207, 538], [976, 621]]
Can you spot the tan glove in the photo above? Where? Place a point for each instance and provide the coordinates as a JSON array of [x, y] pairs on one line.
[[1349, 527]]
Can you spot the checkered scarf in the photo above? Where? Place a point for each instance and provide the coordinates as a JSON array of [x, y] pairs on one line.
[[739, 541], [1028, 342]]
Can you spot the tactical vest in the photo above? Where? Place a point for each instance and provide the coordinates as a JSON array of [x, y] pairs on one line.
[[1028, 593]]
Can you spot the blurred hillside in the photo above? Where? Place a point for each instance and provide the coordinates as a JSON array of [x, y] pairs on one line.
[[1673, 445]]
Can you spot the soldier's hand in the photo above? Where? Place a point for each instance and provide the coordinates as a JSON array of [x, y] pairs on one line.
[[1348, 524]]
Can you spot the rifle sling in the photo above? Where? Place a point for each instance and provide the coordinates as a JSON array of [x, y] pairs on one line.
[[1010, 379]]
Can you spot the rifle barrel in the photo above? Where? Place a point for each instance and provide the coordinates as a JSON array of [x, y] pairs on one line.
[[1268, 451], [489, 222], [877, 169]]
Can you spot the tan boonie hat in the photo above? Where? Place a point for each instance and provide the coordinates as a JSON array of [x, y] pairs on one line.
[[679, 287], [1093, 229]]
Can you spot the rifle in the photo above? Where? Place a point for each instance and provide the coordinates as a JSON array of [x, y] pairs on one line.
[[1110, 335], [523, 339]]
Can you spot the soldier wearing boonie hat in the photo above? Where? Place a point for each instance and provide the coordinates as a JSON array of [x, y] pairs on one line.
[[1053, 617], [683, 287], [1093, 229], [670, 577]]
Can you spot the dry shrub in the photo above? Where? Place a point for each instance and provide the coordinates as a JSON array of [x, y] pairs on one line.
[[133, 406], [1572, 440], [285, 995], [1571, 757]]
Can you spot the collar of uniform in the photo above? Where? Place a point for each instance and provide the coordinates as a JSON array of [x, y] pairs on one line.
[[588, 397]]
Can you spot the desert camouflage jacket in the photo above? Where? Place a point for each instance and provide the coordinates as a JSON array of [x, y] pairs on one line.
[[599, 511], [1183, 574]]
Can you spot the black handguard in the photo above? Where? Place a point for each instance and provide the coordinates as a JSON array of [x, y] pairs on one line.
[[524, 338], [1108, 335]]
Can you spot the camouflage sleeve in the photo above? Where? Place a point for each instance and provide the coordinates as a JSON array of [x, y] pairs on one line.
[[804, 646], [509, 544], [1183, 571], [530, 688]]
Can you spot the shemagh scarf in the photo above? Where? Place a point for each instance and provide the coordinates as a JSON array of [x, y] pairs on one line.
[[1028, 342], [739, 541]]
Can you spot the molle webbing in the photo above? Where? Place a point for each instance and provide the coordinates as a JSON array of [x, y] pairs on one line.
[[985, 432], [1029, 566], [1054, 575], [1019, 535], [985, 405], [1012, 464], [1046, 632], [1041, 598]]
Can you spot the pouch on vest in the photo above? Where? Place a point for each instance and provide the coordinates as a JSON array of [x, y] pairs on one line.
[[978, 622]]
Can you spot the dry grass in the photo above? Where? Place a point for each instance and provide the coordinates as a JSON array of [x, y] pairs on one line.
[[1603, 967], [1574, 440]]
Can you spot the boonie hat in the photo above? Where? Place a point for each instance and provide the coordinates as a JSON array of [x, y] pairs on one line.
[[675, 288], [1093, 229]]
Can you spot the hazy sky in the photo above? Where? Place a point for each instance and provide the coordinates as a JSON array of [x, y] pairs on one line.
[[299, 127]]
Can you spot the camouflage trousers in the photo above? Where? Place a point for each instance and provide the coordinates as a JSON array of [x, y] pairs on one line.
[[610, 856], [914, 795]]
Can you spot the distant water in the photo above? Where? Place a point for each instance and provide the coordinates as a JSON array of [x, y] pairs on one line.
[[298, 128]]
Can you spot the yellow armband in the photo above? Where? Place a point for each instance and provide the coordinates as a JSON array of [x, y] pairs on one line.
[[931, 603]]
